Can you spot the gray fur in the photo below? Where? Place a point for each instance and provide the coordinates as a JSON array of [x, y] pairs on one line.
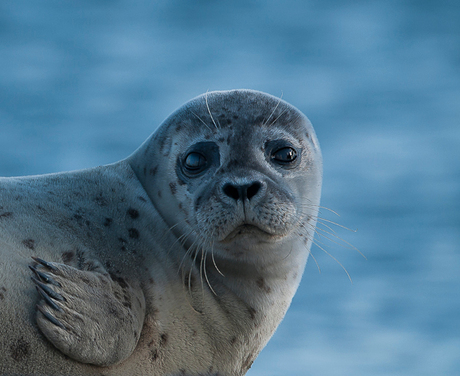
[[142, 267]]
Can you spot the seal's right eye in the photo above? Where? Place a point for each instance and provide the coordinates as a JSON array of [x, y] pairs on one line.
[[194, 162]]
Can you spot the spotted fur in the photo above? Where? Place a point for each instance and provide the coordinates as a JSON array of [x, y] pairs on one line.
[[150, 266]]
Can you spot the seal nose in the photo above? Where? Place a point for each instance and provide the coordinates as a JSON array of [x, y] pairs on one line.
[[241, 192]]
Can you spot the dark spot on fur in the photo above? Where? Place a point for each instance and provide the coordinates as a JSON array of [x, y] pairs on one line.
[[252, 312], [163, 339], [145, 171], [78, 217], [198, 201], [81, 259], [108, 222], [100, 200], [261, 284], [6, 215], [2, 293], [141, 198], [181, 182], [19, 350], [233, 340], [259, 120], [67, 257], [114, 311], [133, 233], [221, 139], [159, 194], [122, 240], [119, 280], [153, 170], [173, 188], [133, 213], [152, 282], [29, 243], [154, 354], [88, 223]]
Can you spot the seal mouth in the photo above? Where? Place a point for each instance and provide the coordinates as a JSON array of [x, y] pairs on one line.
[[249, 231]]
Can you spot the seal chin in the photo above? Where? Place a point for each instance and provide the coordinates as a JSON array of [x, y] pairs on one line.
[[251, 232]]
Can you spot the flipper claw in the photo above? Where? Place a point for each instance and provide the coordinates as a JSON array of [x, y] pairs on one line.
[[47, 299], [44, 277], [51, 318], [44, 263]]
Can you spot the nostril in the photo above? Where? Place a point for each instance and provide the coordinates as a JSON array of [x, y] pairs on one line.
[[252, 190], [231, 191], [241, 192]]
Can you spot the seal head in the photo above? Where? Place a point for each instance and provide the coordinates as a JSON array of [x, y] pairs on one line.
[[236, 173]]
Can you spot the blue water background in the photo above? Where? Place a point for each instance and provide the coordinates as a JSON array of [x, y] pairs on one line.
[[84, 83]]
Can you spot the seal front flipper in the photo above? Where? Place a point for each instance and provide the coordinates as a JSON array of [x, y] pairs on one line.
[[89, 316]]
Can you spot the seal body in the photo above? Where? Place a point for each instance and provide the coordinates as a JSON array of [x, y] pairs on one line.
[[180, 260]]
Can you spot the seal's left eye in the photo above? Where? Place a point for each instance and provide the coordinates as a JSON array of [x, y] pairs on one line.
[[194, 162], [285, 155]]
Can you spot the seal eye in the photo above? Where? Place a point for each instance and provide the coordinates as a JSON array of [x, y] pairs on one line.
[[194, 162], [285, 155]]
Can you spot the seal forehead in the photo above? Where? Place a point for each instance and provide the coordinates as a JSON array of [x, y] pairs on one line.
[[226, 115], [223, 109], [245, 106]]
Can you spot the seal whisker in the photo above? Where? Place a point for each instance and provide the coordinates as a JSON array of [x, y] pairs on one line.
[[200, 119], [336, 224], [320, 231], [191, 269], [209, 111], [189, 250], [335, 259], [314, 259], [202, 266], [206, 276], [316, 242], [214, 262], [281, 114], [271, 114]]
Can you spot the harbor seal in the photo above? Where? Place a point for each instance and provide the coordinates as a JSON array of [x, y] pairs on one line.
[[180, 260]]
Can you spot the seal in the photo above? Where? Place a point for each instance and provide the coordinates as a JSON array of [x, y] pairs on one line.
[[180, 260]]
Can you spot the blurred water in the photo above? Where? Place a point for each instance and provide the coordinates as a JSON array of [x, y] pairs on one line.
[[83, 84]]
